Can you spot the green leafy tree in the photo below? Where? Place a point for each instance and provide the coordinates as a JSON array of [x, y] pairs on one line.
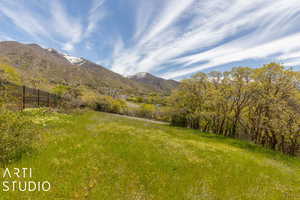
[[259, 104]]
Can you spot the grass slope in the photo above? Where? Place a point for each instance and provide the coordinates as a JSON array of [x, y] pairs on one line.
[[101, 156]]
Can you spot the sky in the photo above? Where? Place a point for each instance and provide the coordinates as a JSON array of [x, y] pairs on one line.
[[172, 39]]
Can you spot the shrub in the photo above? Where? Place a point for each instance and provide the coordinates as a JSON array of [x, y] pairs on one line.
[[163, 113], [108, 104], [16, 136], [147, 111], [9, 73], [61, 89], [119, 106]]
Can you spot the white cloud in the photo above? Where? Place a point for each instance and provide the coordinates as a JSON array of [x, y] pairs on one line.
[[53, 23], [222, 31], [72, 27], [293, 64], [169, 14], [233, 52], [290, 55], [171, 36], [96, 14], [5, 38], [23, 18], [68, 47], [65, 26]]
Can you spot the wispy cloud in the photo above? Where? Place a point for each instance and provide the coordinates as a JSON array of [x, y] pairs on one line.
[[3, 37], [185, 34], [72, 27], [55, 23], [168, 15], [233, 52], [23, 18], [152, 33], [65, 26], [171, 38], [95, 15]]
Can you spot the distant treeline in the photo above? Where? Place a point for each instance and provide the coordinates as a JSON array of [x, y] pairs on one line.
[[261, 104]]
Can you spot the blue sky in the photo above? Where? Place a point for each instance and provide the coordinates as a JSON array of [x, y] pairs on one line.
[[169, 38]]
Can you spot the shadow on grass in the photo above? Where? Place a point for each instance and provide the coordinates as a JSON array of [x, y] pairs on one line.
[[248, 146], [17, 156]]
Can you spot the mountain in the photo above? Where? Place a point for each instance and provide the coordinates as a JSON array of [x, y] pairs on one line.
[[154, 82], [48, 68]]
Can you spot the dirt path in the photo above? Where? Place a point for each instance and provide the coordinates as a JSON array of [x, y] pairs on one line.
[[142, 119]]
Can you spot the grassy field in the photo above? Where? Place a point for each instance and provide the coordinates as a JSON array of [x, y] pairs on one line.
[[100, 156]]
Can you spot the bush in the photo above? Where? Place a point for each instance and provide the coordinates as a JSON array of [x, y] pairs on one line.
[[163, 113], [147, 111], [16, 136], [108, 104], [119, 106]]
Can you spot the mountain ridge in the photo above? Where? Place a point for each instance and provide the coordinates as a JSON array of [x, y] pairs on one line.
[[35, 62], [47, 68], [155, 82]]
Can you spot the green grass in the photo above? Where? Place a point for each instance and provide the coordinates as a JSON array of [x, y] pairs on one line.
[[101, 156]]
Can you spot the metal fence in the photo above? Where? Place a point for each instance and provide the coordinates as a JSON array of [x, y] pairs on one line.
[[21, 97]]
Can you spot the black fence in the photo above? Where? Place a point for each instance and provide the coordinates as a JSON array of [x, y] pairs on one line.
[[21, 97]]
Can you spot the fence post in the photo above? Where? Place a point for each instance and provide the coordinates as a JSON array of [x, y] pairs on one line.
[[38, 97], [23, 97], [48, 99]]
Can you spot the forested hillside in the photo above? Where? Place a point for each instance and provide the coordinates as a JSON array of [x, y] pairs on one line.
[[261, 105]]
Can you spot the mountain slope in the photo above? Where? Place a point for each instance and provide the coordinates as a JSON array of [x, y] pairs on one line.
[[154, 82], [47, 68]]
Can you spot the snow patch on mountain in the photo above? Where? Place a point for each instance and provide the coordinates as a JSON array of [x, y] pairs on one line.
[[73, 60], [141, 74], [138, 75]]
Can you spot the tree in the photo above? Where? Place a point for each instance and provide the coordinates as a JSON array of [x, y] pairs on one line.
[[263, 103]]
